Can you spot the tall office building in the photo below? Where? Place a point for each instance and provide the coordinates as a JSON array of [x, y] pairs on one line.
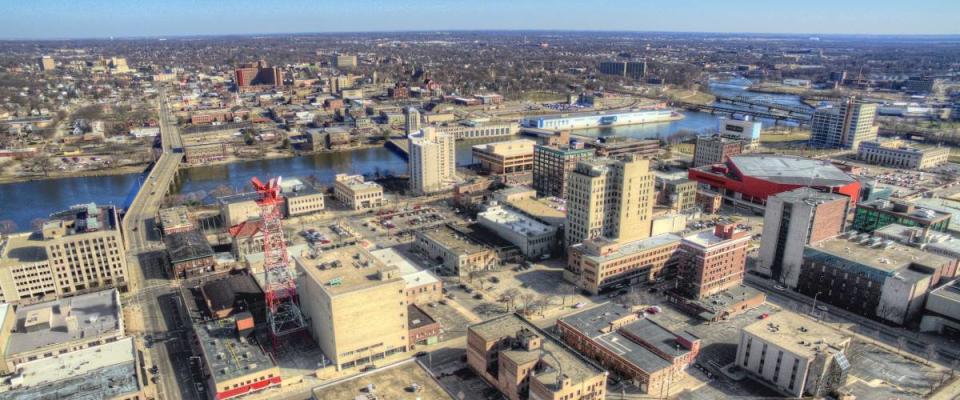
[[47, 63], [610, 198], [630, 69], [432, 163], [793, 220], [257, 74], [118, 65], [552, 165], [844, 126], [411, 121]]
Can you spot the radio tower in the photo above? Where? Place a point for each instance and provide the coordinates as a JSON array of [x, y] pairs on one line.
[[279, 287]]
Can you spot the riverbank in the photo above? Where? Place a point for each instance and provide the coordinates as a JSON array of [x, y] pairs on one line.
[[124, 170], [275, 155]]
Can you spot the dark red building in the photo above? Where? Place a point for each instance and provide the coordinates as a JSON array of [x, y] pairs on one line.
[[257, 74], [747, 180]]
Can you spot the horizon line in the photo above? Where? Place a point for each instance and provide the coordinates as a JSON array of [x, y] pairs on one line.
[[249, 34]]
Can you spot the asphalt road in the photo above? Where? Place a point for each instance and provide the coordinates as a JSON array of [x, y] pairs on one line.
[[146, 283]]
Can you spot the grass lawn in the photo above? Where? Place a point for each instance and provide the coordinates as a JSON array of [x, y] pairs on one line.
[[544, 97], [785, 137]]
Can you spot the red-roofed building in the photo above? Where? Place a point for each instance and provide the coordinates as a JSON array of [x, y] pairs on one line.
[[747, 180], [247, 238]]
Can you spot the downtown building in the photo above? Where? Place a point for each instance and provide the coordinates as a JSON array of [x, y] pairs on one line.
[[609, 198], [257, 74], [711, 150], [553, 164], [793, 220], [76, 251], [894, 154], [844, 126], [432, 165]]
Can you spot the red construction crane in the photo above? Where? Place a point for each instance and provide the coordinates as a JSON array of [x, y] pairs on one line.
[[279, 286]]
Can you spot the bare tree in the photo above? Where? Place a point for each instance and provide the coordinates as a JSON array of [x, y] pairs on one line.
[[527, 299], [931, 352], [565, 289], [511, 295], [901, 342], [7, 226]]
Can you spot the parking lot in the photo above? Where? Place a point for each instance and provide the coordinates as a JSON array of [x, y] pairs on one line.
[[880, 373]]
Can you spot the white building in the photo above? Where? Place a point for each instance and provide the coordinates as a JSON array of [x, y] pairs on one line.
[[432, 163], [744, 129], [794, 354], [411, 121], [532, 237]]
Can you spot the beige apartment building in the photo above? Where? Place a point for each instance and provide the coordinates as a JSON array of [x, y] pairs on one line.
[[238, 208], [78, 250], [432, 163], [610, 198], [601, 263], [523, 362], [356, 194], [507, 157], [355, 304]]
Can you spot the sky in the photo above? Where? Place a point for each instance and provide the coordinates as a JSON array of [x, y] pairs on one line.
[[57, 19]]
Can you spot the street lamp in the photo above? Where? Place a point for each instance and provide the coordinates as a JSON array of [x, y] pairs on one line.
[[814, 305]]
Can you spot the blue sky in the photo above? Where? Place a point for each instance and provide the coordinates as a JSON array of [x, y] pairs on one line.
[[120, 18]]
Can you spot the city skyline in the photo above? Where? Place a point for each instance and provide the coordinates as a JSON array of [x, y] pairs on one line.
[[105, 19]]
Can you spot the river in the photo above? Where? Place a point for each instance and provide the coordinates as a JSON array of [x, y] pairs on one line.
[[23, 202]]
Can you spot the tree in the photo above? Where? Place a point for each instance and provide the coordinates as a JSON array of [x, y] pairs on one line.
[[527, 299], [931, 353], [565, 289], [901, 342], [7, 226], [39, 163], [510, 296]]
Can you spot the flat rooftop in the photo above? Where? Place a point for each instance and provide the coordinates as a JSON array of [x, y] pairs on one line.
[[346, 269], [82, 218], [508, 148], [106, 371], [574, 365], [228, 355], [187, 246], [544, 209], [417, 318], [393, 382], [174, 217], [629, 248], [515, 221], [949, 291], [916, 212], [595, 323], [809, 195], [357, 184], [888, 257], [708, 238], [44, 324], [791, 170], [412, 274], [453, 240], [795, 333], [21, 248]]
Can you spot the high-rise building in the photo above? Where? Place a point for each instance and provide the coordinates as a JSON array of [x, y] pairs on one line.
[[553, 164], [257, 74], [47, 63], [844, 126], [793, 220], [78, 250], [118, 65], [631, 69], [745, 129], [411, 120], [713, 261], [610, 198], [433, 163], [711, 150]]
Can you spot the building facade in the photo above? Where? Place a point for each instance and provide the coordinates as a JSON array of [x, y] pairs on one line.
[[433, 163], [458, 254], [510, 157], [872, 215], [553, 164], [356, 194], [609, 198], [600, 264], [844, 126], [712, 262], [711, 150], [745, 129], [794, 220], [894, 154], [411, 121], [479, 130], [534, 238]]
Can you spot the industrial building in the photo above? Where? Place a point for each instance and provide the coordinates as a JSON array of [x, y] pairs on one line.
[[355, 193], [631, 344], [433, 163], [355, 305], [598, 119], [747, 180], [872, 277], [609, 198], [599, 264], [76, 251], [894, 154], [552, 166], [792, 221], [478, 129], [522, 362], [234, 363], [794, 355], [534, 238]]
